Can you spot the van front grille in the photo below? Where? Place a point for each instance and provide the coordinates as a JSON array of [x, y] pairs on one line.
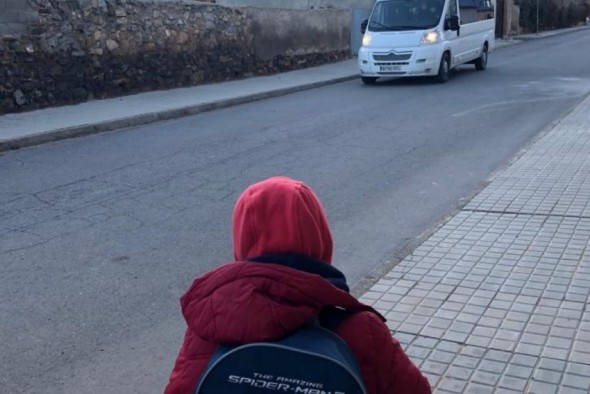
[[392, 57]]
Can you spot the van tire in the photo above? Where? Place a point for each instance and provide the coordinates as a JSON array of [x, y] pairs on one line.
[[444, 70], [481, 63], [369, 80]]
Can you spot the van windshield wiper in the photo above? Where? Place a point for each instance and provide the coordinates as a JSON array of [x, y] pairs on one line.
[[409, 27], [382, 26]]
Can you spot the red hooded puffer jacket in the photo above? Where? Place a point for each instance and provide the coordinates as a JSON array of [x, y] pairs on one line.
[[243, 301]]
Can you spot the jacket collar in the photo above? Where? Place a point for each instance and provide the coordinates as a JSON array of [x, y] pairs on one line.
[[305, 264]]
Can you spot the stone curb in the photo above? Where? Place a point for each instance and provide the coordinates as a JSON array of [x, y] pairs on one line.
[[547, 34], [143, 119]]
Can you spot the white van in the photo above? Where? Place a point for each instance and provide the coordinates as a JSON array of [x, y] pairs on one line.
[[406, 38]]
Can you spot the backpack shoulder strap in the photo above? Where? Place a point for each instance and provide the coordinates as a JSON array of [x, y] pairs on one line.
[[330, 318]]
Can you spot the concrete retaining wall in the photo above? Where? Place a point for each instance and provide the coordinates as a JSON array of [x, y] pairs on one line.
[[282, 32], [15, 16], [299, 4]]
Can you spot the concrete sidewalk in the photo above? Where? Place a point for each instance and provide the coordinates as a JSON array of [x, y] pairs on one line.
[[497, 300], [35, 127], [19, 130]]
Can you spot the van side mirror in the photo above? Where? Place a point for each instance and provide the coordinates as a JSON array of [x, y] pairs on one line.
[[364, 24], [452, 23]]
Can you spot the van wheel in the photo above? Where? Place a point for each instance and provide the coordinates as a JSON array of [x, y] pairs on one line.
[[482, 62], [369, 80], [444, 70]]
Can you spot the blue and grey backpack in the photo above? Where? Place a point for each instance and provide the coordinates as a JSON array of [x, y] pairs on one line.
[[312, 360]]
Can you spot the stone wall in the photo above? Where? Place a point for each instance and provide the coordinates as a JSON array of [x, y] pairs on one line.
[[77, 50]]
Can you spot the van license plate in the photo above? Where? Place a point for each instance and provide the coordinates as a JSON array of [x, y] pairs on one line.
[[390, 68]]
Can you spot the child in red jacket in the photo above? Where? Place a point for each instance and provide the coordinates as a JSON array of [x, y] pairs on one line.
[[280, 280]]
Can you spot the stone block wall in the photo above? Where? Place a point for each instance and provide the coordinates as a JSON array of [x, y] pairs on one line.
[[70, 51]]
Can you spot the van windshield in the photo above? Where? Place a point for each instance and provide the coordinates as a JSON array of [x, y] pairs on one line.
[[405, 15]]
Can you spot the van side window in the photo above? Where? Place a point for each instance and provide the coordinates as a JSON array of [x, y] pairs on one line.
[[475, 10], [453, 9]]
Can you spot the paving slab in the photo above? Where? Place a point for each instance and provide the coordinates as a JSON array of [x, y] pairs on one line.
[[553, 177], [496, 300]]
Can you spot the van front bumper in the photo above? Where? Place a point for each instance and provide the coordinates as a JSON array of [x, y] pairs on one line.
[[399, 62]]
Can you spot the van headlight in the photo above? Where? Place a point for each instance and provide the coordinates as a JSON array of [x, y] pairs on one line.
[[367, 38], [430, 37]]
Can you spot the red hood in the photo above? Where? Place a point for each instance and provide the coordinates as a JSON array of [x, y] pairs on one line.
[[280, 215], [246, 302]]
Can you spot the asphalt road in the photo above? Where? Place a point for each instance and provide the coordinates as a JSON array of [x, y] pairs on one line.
[[99, 236]]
